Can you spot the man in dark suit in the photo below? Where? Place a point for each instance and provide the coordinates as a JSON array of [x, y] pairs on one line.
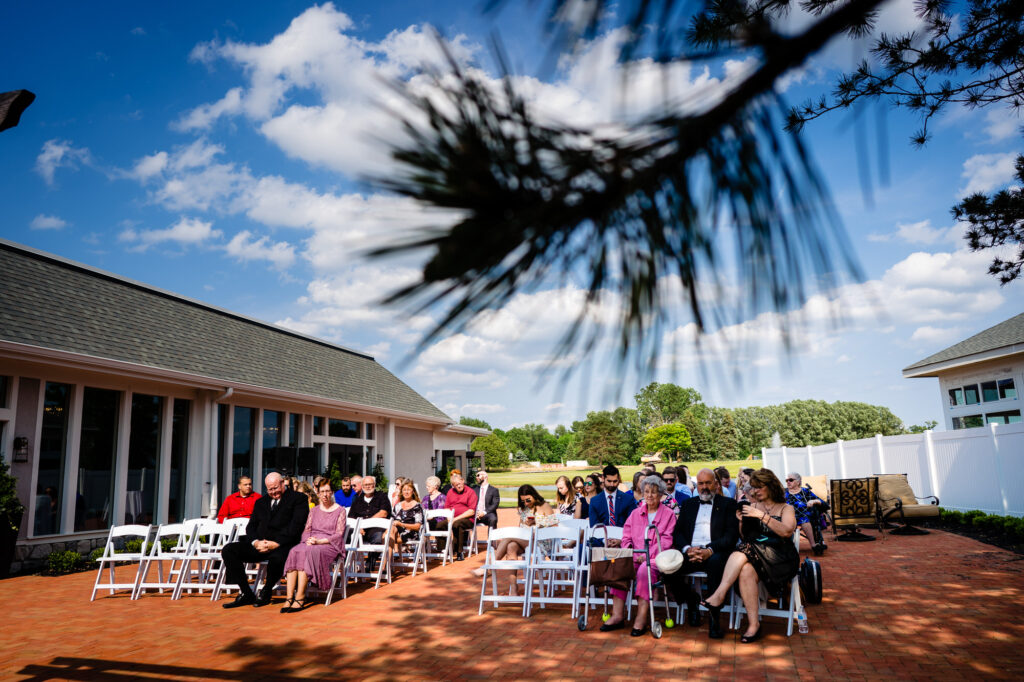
[[611, 506], [276, 525], [706, 533], [488, 500]]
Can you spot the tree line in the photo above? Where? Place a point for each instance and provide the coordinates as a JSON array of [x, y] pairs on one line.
[[675, 421]]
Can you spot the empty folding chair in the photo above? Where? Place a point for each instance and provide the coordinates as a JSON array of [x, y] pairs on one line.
[[492, 564], [364, 550], [202, 568], [435, 536], [172, 559], [110, 557]]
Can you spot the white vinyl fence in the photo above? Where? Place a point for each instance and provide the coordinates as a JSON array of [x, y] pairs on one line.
[[981, 468]]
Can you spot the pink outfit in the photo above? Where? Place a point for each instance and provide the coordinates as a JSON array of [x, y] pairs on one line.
[[316, 560], [633, 536]]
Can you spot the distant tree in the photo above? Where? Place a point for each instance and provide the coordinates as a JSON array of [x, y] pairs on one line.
[[671, 439], [566, 445], [658, 404], [600, 440], [722, 426], [929, 424], [627, 421], [473, 421], [996, 221], [495, 450], [533, 439]]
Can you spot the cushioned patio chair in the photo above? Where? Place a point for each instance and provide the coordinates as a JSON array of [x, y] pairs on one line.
[[897, 502], [854, 503]]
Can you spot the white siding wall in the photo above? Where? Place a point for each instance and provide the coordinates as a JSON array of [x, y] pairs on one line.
[[413, 449], [980, 468]]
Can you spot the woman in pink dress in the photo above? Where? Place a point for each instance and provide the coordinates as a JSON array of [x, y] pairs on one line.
[[650, 510], [322, 542]]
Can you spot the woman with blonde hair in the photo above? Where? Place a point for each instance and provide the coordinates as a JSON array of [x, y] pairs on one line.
[[407, 514]]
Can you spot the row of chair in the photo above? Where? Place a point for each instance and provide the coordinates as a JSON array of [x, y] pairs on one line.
[[194, 561], [556, 562]]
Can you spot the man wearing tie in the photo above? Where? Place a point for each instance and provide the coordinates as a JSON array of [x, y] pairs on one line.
[[276, 525], [706, 533], [611, 507]]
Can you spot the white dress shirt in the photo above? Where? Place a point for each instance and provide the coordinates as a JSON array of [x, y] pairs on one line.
[[702, 528]]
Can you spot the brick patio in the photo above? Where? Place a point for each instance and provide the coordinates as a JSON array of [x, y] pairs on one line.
[[938, 606]]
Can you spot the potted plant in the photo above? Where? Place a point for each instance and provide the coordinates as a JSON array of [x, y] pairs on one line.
[[11, 511]]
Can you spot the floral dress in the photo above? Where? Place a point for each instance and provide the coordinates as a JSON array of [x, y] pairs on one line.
[[412, 515]]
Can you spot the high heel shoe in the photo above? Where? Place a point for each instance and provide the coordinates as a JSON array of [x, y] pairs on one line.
[[747, 639], [286, 608], [709, 607]]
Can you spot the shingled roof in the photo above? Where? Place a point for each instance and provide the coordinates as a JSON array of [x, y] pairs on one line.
[[1004, 335], [49, 302]]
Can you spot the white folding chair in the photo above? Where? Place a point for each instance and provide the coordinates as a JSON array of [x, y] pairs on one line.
[[433, 536], [339, 569], [549, 561], [491, 564], [412, 555], [110, 557], [363, 550], [202, 567], [175, 558], [788, 608]]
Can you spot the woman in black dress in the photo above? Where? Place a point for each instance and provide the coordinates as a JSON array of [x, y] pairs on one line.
[[767, 553]]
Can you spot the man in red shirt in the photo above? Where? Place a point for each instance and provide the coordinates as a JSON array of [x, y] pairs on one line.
[[239, 505], [462, 501]]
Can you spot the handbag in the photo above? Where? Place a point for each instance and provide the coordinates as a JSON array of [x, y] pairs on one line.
[[612, 567]]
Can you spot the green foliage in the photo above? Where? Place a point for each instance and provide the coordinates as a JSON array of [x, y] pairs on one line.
[[533, 439], [600, 440], [382, 480], [95, 555], [671, 439], [335, 474], [658, 404], [473, 421], [11, 508], [61, 563], [928, 425], [1011, 527], [996, 221], [494, 449]]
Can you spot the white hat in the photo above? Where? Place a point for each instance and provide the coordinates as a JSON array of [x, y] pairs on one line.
[[669, 561]]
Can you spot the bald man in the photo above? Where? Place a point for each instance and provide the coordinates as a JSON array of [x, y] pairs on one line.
[[276, 525]]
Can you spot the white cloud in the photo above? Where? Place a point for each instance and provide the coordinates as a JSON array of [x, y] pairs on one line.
[[59, 154], [149, 166], [480, 408], [928, 335], [1002, 123], [186, 232], [920, 232], [554, 406], [47, 222], [138, 31], [987, 172], [244, 248]]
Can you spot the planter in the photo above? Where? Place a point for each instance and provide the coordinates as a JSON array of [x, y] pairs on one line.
[[8, 541]]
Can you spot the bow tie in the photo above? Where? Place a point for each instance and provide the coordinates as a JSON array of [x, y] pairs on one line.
[[708, 502]]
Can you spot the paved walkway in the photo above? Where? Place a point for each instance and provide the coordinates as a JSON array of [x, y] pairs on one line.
[[938, 606]]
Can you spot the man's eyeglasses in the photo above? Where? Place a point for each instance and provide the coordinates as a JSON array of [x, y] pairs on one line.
[[670, 480]]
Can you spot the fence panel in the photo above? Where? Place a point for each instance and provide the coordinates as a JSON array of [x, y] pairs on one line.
[[859, 456], [907, 455], [966, 469]]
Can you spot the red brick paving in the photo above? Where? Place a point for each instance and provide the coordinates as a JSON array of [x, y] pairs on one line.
[[938, 606]]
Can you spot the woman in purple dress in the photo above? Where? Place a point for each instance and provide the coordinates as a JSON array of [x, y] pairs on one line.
[[323, 541]]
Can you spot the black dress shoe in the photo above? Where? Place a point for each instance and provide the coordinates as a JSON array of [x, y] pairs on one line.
[[638, 632], [458, 557], [693, 614], [263, 598], [605, 627], [240, 600]]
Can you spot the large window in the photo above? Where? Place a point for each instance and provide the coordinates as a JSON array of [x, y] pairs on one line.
[[342, 428], [5, 384], [956, 397], [293, 430], [349, 458], [1007, 391], [224, 482], [274, 457], [989, 392], [52, 448], [241, 453], [970, 421], [971, 395], [143, 458], [97, 454], [1011, 417], [179, 461]]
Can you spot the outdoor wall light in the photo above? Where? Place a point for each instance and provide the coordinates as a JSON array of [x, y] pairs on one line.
[[380, 459], [433, 460], [21, 449]]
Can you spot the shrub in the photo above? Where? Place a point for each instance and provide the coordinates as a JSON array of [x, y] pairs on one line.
[[167, 544], [951, 516], [60, 563], [969, 517], [95, 554]]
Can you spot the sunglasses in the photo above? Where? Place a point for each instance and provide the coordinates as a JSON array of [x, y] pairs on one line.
[[790, 480], [670, 480], [590, 483]]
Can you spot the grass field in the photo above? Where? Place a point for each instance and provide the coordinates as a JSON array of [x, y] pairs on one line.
[[508, 482]]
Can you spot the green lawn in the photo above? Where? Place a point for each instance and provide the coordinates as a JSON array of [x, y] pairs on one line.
[[509, 481]]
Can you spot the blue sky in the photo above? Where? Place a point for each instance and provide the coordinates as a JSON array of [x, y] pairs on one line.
[[217, 150]]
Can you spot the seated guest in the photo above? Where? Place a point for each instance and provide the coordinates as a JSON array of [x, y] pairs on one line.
[[582, 506], [238, 505], [728, 485], [767, 556], [307, 490], [407, 515], [323, 541], [613, 506], [370, 504], [651, 511], [533, 511], [565, 497], [706, 534], [742, 482], [348, 491], [807, 506], [670, 500], [686, 480], [395, 491], [488, 499], [435, 499], [274, 528], [592, 487], [638, 494], [462, 501]]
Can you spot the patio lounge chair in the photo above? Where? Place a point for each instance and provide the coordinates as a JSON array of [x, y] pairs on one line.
[[897, 501], [854, 503]]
